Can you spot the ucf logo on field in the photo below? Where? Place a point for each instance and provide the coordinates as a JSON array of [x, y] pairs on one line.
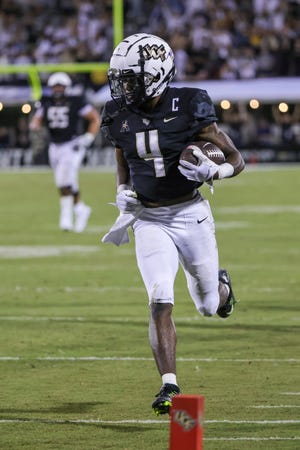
[[184, 420], [154, 52]]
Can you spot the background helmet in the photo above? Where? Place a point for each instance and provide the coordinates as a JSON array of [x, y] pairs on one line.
[[141, 68], [59, 78]]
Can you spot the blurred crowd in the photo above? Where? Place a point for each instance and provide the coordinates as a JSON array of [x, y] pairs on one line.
[[226, 39], [212, 39]]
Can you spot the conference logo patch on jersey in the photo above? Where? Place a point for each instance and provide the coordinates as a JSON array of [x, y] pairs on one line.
[[204, 109], [154, 51], [125, 127]]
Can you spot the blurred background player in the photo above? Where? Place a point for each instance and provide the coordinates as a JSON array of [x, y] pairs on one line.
[[62, 115], [150, 124]]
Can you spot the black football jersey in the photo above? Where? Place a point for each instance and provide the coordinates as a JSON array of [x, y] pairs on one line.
[[63, 116], [152, 142]]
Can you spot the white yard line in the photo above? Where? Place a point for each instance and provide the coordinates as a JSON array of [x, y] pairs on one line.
[[105, 318], [37, 251], [231, 225], [133, 358], [83, 319], [72, 289], [290, 393], [274, 406], [258, 422], [147, 421], [42, 319], [163, 422], [256, 439], [258, 209]]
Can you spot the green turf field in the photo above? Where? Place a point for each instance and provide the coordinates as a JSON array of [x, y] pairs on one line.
[[75, 365]]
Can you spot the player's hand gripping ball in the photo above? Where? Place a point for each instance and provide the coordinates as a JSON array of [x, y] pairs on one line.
[[199, 161], [210, 150]]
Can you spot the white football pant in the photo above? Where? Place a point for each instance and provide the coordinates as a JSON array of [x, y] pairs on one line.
[[185, 234], [65, 163]]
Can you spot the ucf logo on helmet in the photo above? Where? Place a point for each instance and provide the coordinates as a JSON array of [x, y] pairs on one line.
[[154, 51]]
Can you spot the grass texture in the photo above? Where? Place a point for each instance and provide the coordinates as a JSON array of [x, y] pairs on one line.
[[76, 368]]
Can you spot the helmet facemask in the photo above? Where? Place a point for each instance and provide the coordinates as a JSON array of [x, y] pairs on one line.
[[127, 87], [58, 91]]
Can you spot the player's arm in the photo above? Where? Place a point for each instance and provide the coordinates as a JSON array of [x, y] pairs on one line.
[[94, 122], [123, 175], [126, 199], [36, 122], [214, 134]]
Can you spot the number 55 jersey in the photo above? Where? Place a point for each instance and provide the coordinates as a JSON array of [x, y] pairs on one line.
[[62, 117]]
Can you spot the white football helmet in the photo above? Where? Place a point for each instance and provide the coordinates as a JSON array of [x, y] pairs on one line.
[[141, 68], [60, 78]]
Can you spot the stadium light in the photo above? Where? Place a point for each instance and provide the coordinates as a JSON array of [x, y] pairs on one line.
[[26, 108], [254, 104], [1, 106], [225, 104], [283, 107]]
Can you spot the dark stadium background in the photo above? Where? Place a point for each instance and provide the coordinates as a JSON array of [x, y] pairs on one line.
[[234, 47]]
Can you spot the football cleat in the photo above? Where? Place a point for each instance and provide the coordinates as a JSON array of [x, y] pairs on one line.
[[65, 226], [163, 402], [228, 307]]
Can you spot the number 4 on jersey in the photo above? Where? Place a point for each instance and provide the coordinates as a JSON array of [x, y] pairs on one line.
[[147, 146]]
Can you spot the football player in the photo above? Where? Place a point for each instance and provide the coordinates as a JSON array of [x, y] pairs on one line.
[[62, 114], [149, 124]]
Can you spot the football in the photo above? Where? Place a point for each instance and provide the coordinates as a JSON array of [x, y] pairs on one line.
[[209, 149]]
